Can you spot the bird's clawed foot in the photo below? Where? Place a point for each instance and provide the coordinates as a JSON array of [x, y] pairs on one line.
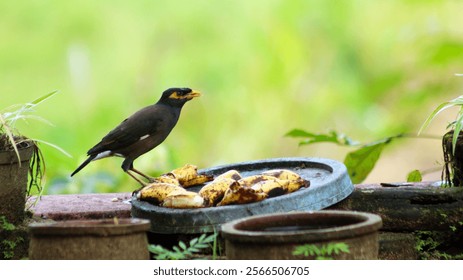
[[150, 179]]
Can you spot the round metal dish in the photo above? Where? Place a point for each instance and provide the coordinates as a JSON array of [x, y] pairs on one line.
[[329, 184]]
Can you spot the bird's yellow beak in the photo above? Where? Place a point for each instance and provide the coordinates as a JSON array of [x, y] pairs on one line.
[[187, 96], [194, 93]]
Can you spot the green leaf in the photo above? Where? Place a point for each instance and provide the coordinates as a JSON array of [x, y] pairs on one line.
[[193, 242], [193, 250], [360, 162], [182, 245], [182, 251], [457, 130], [331, 137], [176, 249], [298, 133], [414, 176], [42, 98], [442, 107], [343, 247], [209, 239]]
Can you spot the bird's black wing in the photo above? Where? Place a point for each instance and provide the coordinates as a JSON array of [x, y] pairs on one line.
[[151, 120]]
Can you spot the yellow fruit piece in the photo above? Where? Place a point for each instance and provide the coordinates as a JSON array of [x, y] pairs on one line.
[[231, 174], [188, 176], [214, 191], [184, 199], [167, 179], [272, 187], [282, 174], [295, 181], [254, 179], [238, 194], [198, 180], [294, 185], [157, 192]]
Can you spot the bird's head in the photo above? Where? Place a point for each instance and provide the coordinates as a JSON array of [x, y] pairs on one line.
[[178, 96]]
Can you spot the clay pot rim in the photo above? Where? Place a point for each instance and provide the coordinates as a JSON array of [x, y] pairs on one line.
[[10, 156], [97, 227], [368, 223]]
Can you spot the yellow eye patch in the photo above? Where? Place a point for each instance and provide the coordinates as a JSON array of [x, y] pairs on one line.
[[180, 95]]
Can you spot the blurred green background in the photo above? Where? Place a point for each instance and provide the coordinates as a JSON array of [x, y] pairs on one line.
[[367, 68]]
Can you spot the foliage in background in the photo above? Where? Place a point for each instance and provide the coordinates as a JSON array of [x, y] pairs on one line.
[[440, 245], [8, 242], [184, 251], [360, 162], [323, 252], [264, 67]]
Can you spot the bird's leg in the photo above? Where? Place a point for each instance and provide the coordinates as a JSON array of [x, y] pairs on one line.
[[150, 179], [136, 179]]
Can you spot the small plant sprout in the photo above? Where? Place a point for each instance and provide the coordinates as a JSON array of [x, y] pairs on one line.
[[10, 115], [324, 252], [12, 140], [184, 251], [456, 125]]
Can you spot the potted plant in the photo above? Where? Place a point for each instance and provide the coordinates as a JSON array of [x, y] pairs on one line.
[[452, 143], [21, 166]]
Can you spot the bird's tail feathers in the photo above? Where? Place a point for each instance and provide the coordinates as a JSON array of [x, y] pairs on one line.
[[87, 161]]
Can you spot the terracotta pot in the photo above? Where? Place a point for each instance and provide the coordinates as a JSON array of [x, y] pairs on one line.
[[13, 183], [90, 240], [276, 236]]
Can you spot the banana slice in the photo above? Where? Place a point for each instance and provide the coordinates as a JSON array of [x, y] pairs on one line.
[[231, 174], [157, 192], [272, 187], [252, 180], [185, 199], [295, 180], [167, 179], [214, 191], [283, 174], [238, 194], [294, 185], [188, 176]]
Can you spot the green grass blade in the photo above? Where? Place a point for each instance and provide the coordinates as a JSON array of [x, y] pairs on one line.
[[9, 134], [457, 130], [41, 99], [54, 146], [436, 111]]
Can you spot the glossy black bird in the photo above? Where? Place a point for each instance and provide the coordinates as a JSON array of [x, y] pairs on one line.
[[142, 131]]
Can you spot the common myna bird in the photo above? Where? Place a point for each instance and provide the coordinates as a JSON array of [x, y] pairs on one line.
[[142, 131]]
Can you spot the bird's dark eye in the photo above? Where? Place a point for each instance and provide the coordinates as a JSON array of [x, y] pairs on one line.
[[184, 91]]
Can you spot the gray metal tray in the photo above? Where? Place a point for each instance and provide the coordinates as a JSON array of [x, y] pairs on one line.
[[329, 184]]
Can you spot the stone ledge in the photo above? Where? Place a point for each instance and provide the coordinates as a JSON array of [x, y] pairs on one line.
[[83, 206], [419, 206], [404, 210]]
